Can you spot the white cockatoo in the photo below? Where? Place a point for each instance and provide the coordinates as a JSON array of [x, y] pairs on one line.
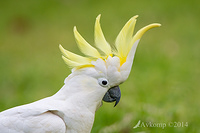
[[94, 78]]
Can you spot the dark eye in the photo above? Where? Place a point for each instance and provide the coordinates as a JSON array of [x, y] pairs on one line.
[[103, 82]]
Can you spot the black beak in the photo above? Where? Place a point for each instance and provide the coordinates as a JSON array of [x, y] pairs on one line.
[[113, 94]]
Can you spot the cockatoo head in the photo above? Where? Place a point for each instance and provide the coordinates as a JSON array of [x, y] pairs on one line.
[[109, 66]]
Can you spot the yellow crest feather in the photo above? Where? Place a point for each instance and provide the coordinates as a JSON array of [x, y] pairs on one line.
[[84, 46], [74, 57], [124, 42], [70, 62], [124, 38], [100, 40], [140, 33]]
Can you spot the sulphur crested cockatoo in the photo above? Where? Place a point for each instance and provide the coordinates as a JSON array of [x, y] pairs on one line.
[[94, 78]]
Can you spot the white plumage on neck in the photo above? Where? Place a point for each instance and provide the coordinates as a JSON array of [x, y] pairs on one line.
[[72, 108]]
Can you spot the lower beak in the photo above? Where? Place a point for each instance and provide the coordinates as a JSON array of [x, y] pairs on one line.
[[113, 94]]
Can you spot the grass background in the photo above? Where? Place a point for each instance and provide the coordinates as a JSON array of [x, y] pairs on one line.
[[164, 83]]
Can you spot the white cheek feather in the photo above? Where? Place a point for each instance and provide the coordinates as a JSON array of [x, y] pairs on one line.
[[113, 61], [113, 70], [100, 66], [72, 109]]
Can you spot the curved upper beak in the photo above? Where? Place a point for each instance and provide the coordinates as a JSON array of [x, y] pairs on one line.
[[113, 94]]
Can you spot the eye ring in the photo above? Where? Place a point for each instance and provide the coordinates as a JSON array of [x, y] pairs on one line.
[[103, 82]]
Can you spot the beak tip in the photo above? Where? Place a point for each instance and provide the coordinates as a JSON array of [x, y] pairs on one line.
[[117, 101]]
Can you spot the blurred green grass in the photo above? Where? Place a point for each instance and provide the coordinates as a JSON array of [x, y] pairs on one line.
[[163, 85]]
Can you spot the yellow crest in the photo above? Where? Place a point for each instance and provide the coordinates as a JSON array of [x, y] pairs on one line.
[[123, 44]]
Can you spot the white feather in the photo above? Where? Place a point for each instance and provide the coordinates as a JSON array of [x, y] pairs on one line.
[[72, 109]]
